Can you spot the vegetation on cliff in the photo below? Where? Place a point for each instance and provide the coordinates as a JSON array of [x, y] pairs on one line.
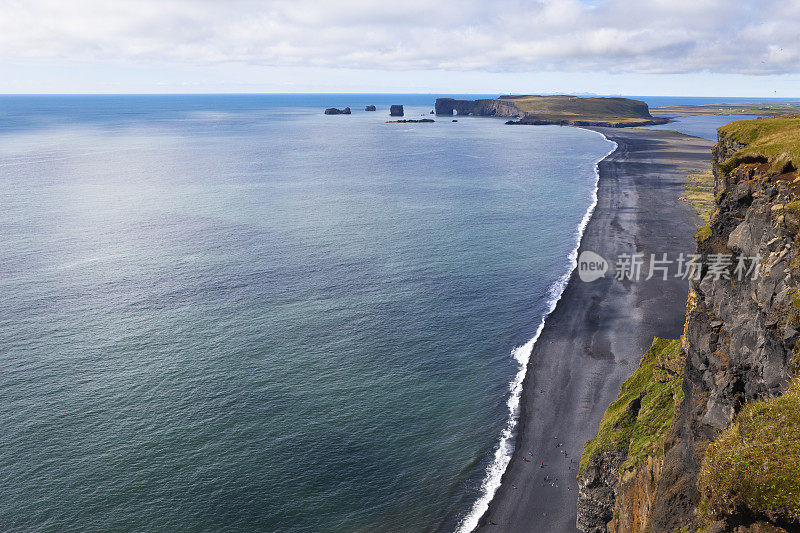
[[773, 140], [570, 108], [754, 465], [555, 109], [643, 411], [731, 459], [703, 233], [699, 193]]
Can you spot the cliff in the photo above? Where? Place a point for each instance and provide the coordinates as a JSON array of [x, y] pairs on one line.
[[557, 109], [484, 108], [730, 458]]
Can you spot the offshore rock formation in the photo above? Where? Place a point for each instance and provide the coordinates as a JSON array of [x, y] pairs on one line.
[[370, 108], [556, 109], [485, 108], [410, 120], [396, 111], [740, 343], [334, 111]]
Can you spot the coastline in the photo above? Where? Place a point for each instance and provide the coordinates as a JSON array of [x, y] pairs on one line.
[[522, 354], [595, 333]]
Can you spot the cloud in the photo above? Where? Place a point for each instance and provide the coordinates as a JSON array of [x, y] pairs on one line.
[[644, 36]]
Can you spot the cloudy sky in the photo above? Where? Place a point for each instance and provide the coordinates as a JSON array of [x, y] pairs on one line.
[[670, 47]]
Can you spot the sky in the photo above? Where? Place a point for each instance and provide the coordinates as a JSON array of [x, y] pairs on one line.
[[636, 47]]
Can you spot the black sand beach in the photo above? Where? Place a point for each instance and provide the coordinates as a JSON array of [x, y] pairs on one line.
[[598, 332]]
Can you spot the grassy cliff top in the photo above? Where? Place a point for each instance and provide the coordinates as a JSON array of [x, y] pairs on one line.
[[776, 138], [564, 107], [644, 409], [755, 463]]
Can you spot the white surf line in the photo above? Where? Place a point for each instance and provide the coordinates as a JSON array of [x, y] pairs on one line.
[[522, 354]]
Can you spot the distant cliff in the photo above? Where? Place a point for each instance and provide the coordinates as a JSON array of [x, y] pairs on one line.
[[557, 109], [485, 108], [729, 458]]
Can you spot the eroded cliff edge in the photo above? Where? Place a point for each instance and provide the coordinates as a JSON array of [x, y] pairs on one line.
[[729, 459], [555, 109]]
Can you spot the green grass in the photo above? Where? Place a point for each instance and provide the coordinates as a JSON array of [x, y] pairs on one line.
[[793, 207], [699, 193], [561, 107], [777, 139], [656, 386], [703, 233], [755, 463]]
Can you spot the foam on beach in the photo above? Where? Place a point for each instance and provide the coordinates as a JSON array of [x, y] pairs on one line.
[[522, 355]]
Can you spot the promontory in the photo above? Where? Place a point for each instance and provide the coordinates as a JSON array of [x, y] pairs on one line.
[[556, 109]]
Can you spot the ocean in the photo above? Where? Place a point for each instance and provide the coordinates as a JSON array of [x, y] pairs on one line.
[[236, 313], [703, 126]]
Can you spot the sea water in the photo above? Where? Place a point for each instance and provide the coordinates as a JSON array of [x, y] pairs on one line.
[[235, 313]]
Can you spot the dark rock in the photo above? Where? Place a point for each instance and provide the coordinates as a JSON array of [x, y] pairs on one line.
[[370, 108], [454, 120], [489, 107], [597, 492], [630, 112], [739, 340], [334, 111], [396, 111], [410, 120]]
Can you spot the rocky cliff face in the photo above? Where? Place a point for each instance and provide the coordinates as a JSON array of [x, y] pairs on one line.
[[484, 108], [740, 335], [598, 487], [555, 109]]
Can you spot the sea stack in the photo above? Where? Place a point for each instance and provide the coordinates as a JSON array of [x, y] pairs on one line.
[[396, 111], [370, 108], [334, 111]]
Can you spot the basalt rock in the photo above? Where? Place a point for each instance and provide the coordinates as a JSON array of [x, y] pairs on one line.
[[396, 111], [485, 108], [410, 120], [739, 331], [740, 339], [564, 110], [334, 111], [370, 108]]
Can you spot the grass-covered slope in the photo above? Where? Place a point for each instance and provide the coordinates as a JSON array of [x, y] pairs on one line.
[[699, 193], [776, 139], [754, 465], [570, 108], [643, 411]]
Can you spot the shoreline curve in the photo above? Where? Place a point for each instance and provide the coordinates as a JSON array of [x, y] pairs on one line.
[[596, 332], [503, 452]]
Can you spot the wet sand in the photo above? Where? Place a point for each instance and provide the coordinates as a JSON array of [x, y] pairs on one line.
[[595, 337]]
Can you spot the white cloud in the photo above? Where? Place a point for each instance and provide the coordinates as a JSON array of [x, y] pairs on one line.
[[644, 36]]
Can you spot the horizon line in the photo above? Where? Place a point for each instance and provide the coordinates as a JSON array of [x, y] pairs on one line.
[[275, 93]]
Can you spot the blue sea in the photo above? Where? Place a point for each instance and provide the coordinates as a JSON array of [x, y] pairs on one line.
[[235, 313], [703, 126]]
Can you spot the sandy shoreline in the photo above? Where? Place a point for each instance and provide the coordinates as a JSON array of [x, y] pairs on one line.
[[598, 331]]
